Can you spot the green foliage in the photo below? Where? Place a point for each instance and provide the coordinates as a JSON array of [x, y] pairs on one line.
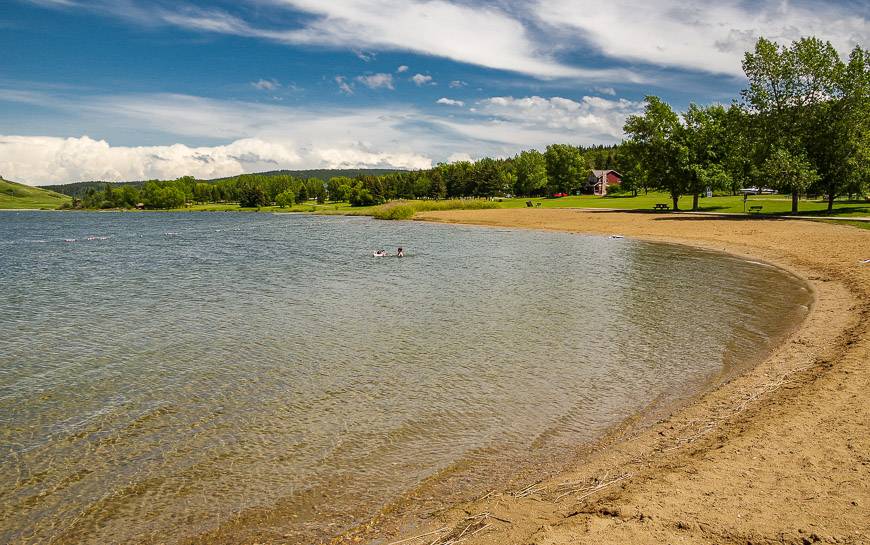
[[658, 141], [566, 168], [251, 193], [805, 102], [285, 198], [531, 173], [402, 210]]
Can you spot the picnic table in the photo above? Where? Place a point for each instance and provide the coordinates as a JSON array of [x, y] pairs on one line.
[[756, 208], [662, 206]]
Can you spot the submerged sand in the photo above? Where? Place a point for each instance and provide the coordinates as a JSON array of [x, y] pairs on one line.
[[779, 454]]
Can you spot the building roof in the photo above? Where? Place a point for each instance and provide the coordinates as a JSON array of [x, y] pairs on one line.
[[600, 173]]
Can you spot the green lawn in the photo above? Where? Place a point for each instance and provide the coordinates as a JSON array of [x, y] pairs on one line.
[[15, 195], [771, 204]]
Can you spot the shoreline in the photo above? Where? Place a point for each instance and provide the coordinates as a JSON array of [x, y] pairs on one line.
[[733, 464]]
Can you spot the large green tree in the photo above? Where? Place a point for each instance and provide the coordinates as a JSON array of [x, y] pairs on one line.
[[704, 135], [804, 100], [531, 173], [566, 168], [656, 136]]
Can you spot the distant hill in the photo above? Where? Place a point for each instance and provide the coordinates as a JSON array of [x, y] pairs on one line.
[[324, 173], [15, 195], [79, 189]]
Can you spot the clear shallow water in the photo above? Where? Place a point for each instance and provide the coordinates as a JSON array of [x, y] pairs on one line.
[[178, 370]]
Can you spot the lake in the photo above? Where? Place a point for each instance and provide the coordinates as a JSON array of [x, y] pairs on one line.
[[169, 376]]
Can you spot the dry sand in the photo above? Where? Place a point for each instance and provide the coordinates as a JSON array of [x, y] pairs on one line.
[[780, 454]]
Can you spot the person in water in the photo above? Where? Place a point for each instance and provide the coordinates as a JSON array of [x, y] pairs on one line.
[[400, 253]]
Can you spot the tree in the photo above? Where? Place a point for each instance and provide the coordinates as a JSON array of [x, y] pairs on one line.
[[566, 168], [531, 173], [704, 135], [790, 172], [251, 193], [796, 94], [334, 185], [285, 198], [302, 194], [655, 137]]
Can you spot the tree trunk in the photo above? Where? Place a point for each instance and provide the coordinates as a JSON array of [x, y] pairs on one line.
[[695, 202], [830, 200], [676, 199], [794, 202]]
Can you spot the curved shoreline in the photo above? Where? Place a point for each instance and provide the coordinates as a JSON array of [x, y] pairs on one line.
[[778, 454]]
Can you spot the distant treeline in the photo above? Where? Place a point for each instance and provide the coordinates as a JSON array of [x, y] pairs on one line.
[[80, 189], [561, 168], [802, 126]]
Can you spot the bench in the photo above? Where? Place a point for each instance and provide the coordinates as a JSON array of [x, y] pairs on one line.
[[529, 204], [537, 204], [756, 208], [662, 206]]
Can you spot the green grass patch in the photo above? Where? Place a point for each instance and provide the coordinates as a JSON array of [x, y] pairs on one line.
[[404, 210], [15, 195], [771, 204]]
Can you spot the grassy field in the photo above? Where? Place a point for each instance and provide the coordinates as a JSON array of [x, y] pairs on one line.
[[771, 204], [15, 195]]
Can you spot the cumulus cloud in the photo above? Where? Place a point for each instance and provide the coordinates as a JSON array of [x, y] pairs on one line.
[[45, 159], [266, 84], [377, 81], [457, 83], [212, 138], [42, 159], [593, 115], [449, 102], [700, 35], [421, 79], [402, 68]]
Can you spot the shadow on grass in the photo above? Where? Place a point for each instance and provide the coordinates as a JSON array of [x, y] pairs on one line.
[[836, 211]]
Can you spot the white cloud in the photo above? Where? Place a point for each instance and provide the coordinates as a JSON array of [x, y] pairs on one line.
[[212, 138], [343, 86], [700, 35], [610, 91], [449, 102], [591, 117], [479, 35], [457, 83], [377, 81], [365, 56], [420, 79], [266, 84], [460, 156], [402, 68]]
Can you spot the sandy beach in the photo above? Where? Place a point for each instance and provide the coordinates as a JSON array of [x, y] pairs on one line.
[[779, 454]]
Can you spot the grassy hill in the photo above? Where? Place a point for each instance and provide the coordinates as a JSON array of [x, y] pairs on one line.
[[15, 195]]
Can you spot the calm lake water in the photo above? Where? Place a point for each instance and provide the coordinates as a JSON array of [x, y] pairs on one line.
[[164, 375]]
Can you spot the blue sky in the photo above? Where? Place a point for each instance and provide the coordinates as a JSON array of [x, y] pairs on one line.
[[134, 89]]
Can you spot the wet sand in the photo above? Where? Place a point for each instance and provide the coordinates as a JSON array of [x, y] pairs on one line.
[[779, 454]]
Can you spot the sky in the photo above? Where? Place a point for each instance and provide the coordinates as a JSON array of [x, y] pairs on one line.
[[133, 89]]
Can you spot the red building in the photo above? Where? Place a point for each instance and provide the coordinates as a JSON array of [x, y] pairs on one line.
[[600, 180]]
